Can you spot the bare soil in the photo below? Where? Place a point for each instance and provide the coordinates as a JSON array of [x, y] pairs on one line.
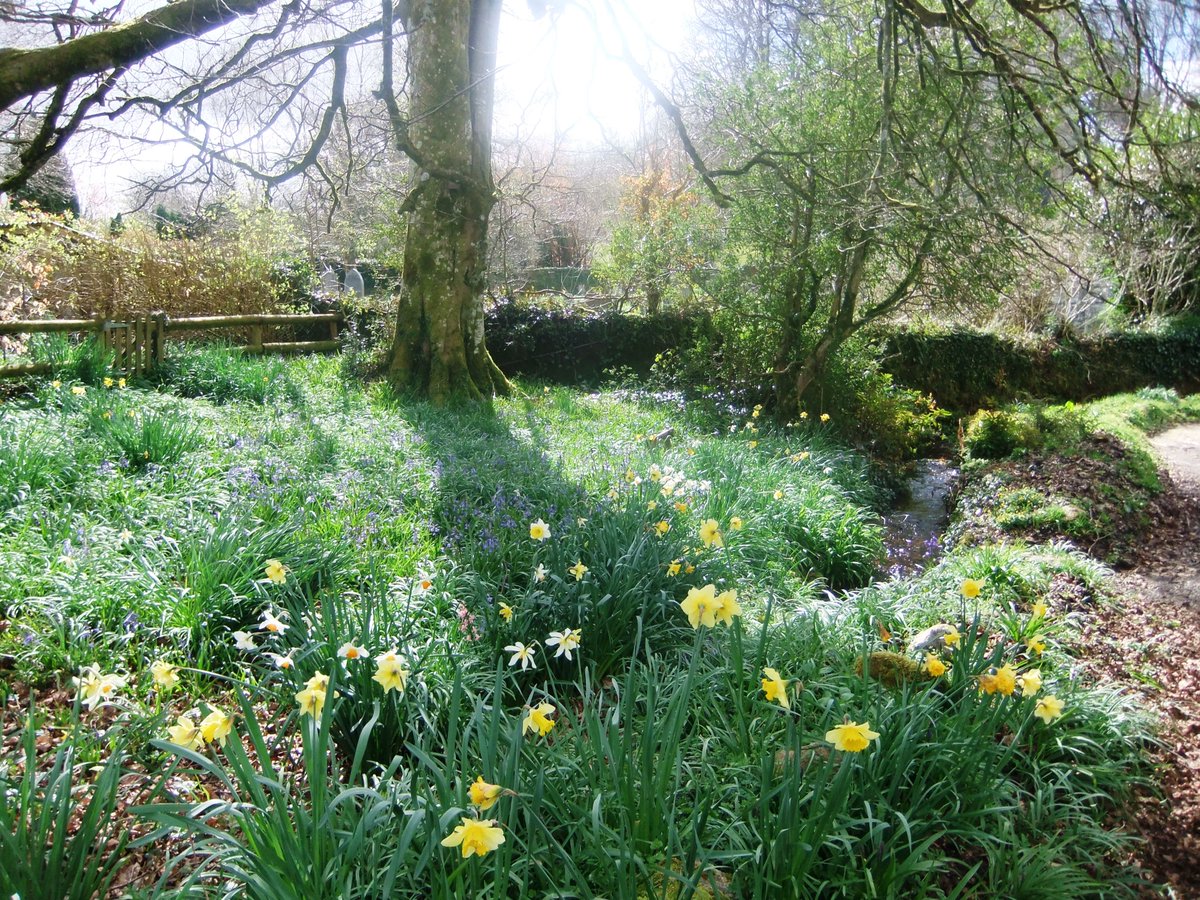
[[1149, 643]]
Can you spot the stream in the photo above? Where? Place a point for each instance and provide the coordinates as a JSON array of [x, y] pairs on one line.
[[913, 528]]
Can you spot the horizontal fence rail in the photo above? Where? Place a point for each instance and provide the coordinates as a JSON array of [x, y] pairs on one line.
[[139, 344]]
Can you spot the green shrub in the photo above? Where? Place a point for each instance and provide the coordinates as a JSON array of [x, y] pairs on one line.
[[85, 361], [997, 434], [223, 374]]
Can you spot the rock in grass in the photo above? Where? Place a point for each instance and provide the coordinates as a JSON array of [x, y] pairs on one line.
[[931, 640], [889, 669]]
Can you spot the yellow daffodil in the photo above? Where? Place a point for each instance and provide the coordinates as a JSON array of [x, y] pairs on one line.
[[506, 612], [475, 836], [578, 570], [934, 666], [752, 444], [689, 569], [736, 523], [108, 382], [1040, 610], [680, 506], [311, 702], [757, 411], [120, 382], [1048, 709], [390, 673], [521, 654], [185, 734], [630, 475], [56, 384], [276, 571], [319, 682], [775, 687], [79, 390], [539, 530], [824, 417], [350, 650], [484, 795], [778, 495], [727, 607], [271, 624], [652, 505], [710, 533], [701, 606], [662, 528], [674, 567], [952, 638], [165, 675], [566, 641], [804, 415], [1036, 645], [1030, 682], [215, 727], [850, 737], [1002, 681], [538, 719], [971, 587]]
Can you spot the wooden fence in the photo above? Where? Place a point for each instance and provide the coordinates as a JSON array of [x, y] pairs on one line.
[[139, 345]]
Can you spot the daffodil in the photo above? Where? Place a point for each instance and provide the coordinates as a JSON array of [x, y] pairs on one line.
[[475, 836], [56, 384], [1001, 681], [1036, 645], [566, 641], [736, 523], [108, 382], [952, 638], [539, 574], [727, 607], [1030, 682], [125, 536], [1048, 708], [120, 382], [674, 567], [271, 624], [651, 505], [971, 587], [539, 530], [276, 571], [538, 719], [165, 675], [710, 533], [318, 682], [778, 495], [185, 734], [484, 795], [521, 654], [757, 411], [662, 528], [752, 444], [390, 672], [578, 570], [244, 640], [701, 606], [850, 737], [680, 506], [95, 687], [934, 666], [506, 612], [1040, 610], [775, 687], [423, 586], [215, 727], [350, 650], [655, 473], [79, 390], [311, 701], [283, 662]]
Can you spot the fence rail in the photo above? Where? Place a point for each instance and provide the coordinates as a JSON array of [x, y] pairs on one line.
[[139, 344]]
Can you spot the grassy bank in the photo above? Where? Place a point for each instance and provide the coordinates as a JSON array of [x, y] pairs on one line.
[[299, 617]]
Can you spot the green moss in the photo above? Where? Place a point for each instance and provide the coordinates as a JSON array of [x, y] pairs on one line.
[[889, 669]]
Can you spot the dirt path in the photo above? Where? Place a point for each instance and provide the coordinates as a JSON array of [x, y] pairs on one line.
[[1150, 645]]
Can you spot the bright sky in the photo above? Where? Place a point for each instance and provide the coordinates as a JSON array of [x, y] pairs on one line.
[[560, 76]]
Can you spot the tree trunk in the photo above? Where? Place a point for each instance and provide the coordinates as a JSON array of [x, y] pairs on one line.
[[439, 350]]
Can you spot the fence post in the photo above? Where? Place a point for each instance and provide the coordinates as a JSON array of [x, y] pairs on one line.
[[256, 338], [160, 338]]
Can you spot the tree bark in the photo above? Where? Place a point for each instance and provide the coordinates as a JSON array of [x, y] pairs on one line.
[[439, 351], [24, 73]]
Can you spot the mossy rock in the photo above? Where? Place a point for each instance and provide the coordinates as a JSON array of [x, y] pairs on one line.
[[889, 669]]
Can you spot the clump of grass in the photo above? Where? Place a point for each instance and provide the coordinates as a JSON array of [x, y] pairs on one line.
[[141, 437], [223, 374]]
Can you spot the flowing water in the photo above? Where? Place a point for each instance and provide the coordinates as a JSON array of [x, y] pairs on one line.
[[914, 526]]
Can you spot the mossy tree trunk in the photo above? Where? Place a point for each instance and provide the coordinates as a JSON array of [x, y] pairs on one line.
[[439, 351]]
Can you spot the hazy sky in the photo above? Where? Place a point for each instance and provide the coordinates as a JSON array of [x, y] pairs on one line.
[[558, 77]]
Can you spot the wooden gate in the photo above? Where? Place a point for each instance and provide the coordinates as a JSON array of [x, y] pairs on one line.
[[138, 345]]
